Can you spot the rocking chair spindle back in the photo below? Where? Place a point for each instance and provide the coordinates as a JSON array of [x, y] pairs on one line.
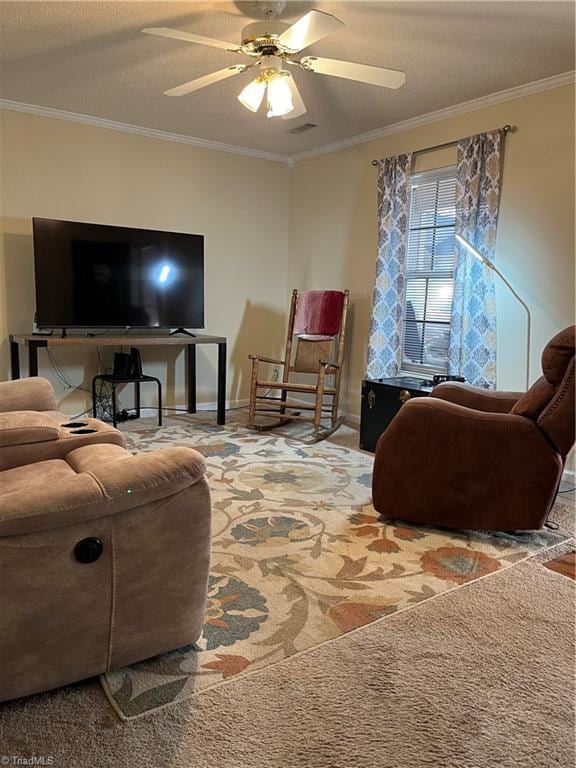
[[319, 354]]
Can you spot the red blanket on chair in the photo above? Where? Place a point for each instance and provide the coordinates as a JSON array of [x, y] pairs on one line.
[[319, 313]]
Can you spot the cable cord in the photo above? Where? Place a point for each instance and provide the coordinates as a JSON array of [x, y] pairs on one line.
[[103, 403], [103, 400], [104, 409], [199, 410], [61, 375]]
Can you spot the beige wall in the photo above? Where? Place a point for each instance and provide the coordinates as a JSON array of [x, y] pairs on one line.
[[269, 229], [333, 224], [55, 169]]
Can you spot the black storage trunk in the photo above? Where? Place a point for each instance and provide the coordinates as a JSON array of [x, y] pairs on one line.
[[381, 401]]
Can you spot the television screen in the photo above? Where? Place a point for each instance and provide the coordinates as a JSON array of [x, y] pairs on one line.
[[90, 275]]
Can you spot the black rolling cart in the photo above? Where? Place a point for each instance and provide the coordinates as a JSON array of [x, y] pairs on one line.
[[127, 370], [109, 378]]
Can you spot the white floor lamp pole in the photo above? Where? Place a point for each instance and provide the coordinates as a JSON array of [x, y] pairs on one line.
[[470, 248]]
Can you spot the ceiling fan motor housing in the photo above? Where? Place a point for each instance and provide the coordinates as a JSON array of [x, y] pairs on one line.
[[261, 37]]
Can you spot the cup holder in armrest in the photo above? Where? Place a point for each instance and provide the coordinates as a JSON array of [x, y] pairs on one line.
[[75, 424], [83, 431]]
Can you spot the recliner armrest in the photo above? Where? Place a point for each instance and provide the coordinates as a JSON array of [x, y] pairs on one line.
[[24, 427], [30, 394], [149, 474], [479, 399], [111, 487]]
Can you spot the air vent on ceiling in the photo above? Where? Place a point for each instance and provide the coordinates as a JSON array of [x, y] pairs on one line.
[[302, 128]]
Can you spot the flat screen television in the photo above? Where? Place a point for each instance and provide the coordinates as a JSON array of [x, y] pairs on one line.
[[96, 276]]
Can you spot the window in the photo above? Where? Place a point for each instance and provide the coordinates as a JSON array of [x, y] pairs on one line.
[[429, 271]]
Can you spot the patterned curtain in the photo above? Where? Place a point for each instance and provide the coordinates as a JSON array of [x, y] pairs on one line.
[[385, 344], [473, 322]]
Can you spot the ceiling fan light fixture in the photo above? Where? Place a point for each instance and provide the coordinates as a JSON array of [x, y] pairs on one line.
[[272, 45], [279, 97], [251, 97]]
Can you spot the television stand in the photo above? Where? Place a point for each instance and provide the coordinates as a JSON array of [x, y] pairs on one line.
[[182, 330], [189, 342]]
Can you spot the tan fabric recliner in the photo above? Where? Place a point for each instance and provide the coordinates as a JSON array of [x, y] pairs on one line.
[[104, 558], [471, 458], [32, 429]]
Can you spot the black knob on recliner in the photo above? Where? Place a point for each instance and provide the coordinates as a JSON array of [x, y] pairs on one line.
[[88, 550]]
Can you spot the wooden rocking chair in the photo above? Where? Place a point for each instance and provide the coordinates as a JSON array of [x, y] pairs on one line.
[[317, 353]]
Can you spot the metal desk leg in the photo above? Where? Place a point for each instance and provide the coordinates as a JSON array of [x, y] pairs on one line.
[[191, 376], [137, 398], [14, 359], [33, 356], [221, 383], [159, 385]]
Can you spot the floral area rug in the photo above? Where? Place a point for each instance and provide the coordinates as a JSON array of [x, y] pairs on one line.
[[299, 557]]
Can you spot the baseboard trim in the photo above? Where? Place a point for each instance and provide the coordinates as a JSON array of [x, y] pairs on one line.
[[351, 419], [569, 476], [211, 406]]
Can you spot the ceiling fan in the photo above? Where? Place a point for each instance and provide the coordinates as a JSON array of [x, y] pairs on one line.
[[273, 45]]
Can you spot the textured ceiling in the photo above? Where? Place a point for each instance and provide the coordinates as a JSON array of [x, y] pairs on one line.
[[90, 58]]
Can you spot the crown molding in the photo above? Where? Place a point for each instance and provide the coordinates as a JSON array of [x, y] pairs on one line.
[[138, 130], [546, 84], [519, 91]]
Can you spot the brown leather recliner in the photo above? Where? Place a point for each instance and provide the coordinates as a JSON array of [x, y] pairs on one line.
[[471, 458]]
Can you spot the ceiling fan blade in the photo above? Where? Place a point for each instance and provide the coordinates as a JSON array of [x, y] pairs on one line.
[[202, 82], [310, 28], [299, 106], [364, 73], [190, 38]]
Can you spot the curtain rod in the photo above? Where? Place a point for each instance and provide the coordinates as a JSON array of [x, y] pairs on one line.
[[506, 129]]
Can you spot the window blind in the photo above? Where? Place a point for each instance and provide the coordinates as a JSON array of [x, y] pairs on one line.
[[429, 275]]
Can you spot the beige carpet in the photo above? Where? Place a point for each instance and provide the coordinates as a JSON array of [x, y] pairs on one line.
[[299, 556], [475, 678]]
